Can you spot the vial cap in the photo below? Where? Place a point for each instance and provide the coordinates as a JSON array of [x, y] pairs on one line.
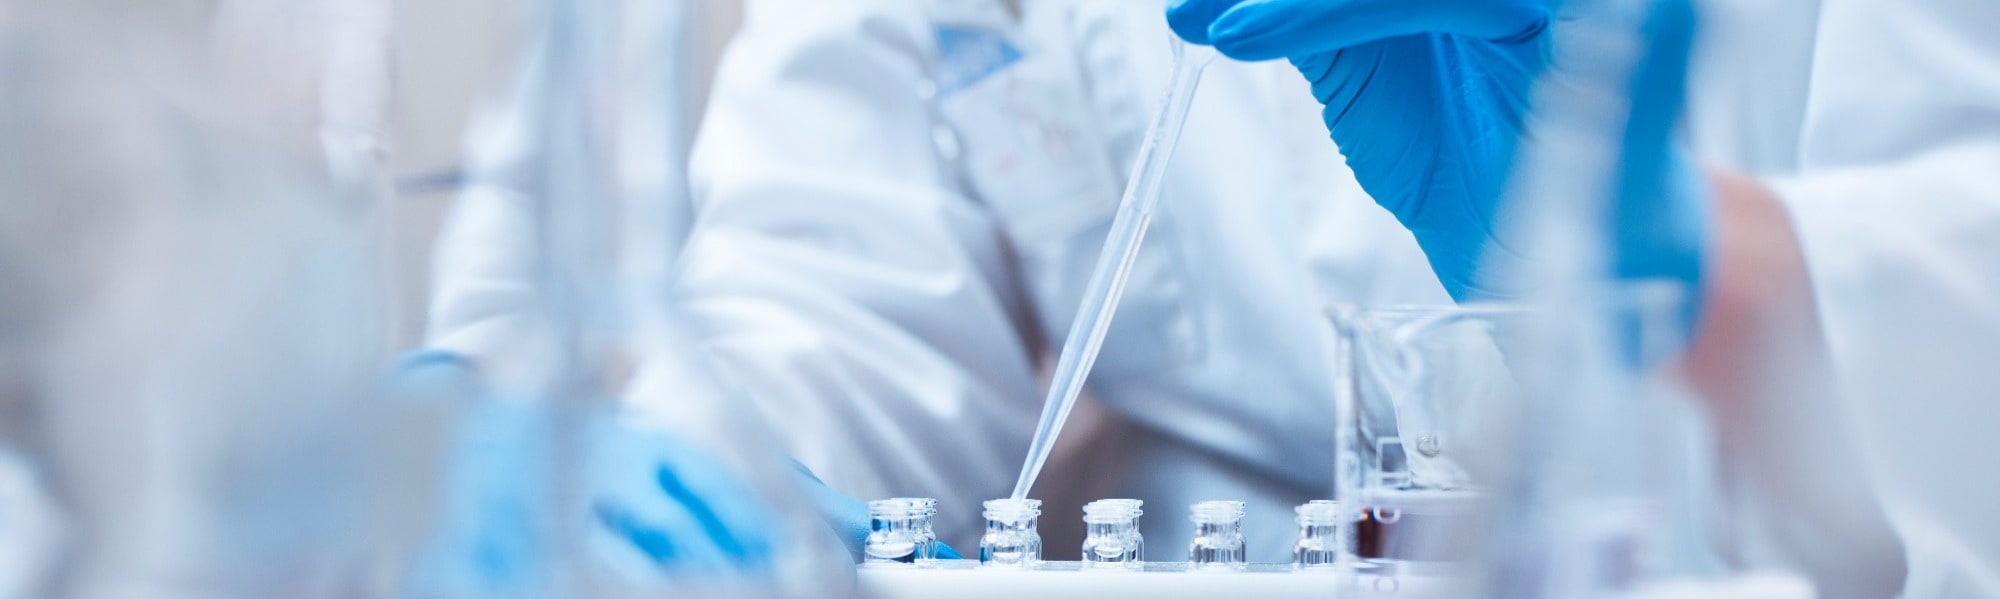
[[1112, 510], [1318, 512], [891, 508], [924, 506], [1012, 509], [1216, 512]]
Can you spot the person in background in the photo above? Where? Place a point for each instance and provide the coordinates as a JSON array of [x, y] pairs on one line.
[[900, 203], [1834, 201], [575, 185]]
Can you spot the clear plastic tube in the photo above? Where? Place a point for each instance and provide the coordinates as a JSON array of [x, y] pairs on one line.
[[1114, 263]]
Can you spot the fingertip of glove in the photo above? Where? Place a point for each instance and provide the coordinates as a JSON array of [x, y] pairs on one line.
[[648, 540], [946, 552], [1245, 35], [1189, 19]]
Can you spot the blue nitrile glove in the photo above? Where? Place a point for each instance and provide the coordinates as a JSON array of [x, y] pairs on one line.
[[656, 500], [680, 507], [848, 516], [1426, 99], [494, 534]]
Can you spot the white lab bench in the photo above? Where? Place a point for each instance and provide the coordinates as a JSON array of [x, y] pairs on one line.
[[1173, 580]]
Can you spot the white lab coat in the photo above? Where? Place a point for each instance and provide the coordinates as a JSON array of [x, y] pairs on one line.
[[483, 265], [1879, 125], [883, 259], [891, 239]]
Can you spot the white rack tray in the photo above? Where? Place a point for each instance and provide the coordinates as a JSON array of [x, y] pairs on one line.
[[1173, 580]]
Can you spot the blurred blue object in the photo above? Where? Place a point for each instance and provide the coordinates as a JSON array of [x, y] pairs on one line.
[[1662, 213], [677, 504], [434, 375], [660, 500], [1426, 99], [494, 534], [679, 509]]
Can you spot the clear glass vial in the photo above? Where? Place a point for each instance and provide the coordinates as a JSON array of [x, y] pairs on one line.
[[1012, 539], [1112, 533], [924, 514], [1218, 535], [892, 534], [1319, 543]]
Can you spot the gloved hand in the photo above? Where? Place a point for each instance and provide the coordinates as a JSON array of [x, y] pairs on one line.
[[1426, 99], [655, 501], [678, 506], [492, 536], [848, 516]]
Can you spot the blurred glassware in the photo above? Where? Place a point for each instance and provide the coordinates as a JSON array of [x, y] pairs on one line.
[[195, 286], [570, 216], [1534, 448], [200, 319], [1422, 382]]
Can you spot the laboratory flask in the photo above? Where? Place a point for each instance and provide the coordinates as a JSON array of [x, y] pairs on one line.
[[1414, 381], [1548, 445]]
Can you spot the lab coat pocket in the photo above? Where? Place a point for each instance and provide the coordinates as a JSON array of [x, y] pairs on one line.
[[1029, 147], [1024, 146]]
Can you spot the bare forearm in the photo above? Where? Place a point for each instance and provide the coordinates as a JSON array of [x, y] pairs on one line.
[[1760, 360]]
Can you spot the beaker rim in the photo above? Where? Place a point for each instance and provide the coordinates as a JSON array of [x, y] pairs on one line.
[[1659, 293]]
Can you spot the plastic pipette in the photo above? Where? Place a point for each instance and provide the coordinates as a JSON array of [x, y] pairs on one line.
[[1114, 263]]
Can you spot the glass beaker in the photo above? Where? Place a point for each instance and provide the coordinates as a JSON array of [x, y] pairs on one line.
[[1473, 435], [1414, 384]]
